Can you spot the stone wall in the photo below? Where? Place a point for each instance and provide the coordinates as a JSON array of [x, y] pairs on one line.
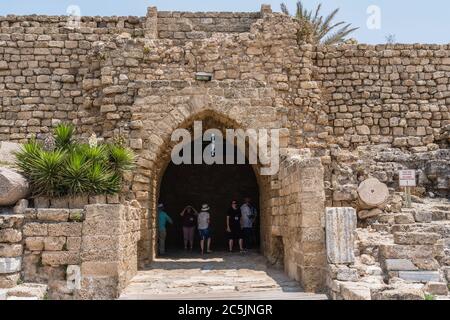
[[11, 249], [134, 77], [299, 220], [394, 94], [88, 253], [200, 25]]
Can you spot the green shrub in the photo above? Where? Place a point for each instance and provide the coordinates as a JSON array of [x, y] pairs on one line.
[[429, 296], [73, 168]]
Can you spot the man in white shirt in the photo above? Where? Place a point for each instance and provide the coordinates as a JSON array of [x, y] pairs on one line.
[[203, 220], [248, 213]]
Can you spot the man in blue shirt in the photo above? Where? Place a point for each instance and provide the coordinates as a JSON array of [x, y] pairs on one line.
[[163, 219]]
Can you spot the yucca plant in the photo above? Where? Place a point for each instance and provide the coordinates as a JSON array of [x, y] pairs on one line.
[[64, 135], [44, 173], [30, 152], [317, 29], [72, 168], [74, 174], [121, 158]]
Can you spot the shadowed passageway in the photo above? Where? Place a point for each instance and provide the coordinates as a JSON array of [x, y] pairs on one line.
[[216, 276]]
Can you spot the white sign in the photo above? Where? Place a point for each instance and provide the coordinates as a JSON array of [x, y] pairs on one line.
[[407, 178]]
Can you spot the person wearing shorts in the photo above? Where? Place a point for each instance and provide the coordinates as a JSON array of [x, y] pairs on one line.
[[203, 220], [234, 226]]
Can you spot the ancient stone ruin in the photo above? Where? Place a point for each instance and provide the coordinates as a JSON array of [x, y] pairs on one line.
[[347, 113]]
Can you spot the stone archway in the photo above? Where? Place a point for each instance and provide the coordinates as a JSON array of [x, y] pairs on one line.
[[291, 202], [212, 119]]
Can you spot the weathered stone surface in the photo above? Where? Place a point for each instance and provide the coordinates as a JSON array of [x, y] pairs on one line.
[[419, 276], [416, 238], [56, 258], [8, 281], [7, 150], [365, 214], [398, 251], [436, 288], [404, 218], [399, 265], [53, 215], [54, 243], [355, 291], [29, 290], [35, 229], [14, 221], [340, 225], [10, 265], [10, 235], [68, 229], [13, 187], [21, 206], [423, 216], [405, 293], [372, 193], [10, 250], [73, 277], [34, 243]]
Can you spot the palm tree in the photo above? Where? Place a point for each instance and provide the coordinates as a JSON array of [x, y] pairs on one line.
[[317, 29]]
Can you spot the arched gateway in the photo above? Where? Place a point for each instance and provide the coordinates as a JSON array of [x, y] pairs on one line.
[[290, 200]]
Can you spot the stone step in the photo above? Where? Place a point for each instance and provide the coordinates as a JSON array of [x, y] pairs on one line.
[[439, 215], [420, 276], [27, 291]]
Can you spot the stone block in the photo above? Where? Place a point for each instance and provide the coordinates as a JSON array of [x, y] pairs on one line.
[[10, 235], [29, 290], [21, 206], [59, 202], [405, 293], [68, 229], [13, 187], [73, 243], [365, 214], [8, 280], [436, 288], [34, 243], [41, 202], [78, 202], [10, 250], [10, 265], [56, 258], [54, 243], [423, 216], [355, 291], [100, 268], [13, 221], [398, 251], [340, 226], [35, 229], [345, 273], [399, 265], [419, 276], [404, 218], [416, 238], [53, 215]]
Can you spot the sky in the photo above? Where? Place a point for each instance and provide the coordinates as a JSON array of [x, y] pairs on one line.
[[410, 21]]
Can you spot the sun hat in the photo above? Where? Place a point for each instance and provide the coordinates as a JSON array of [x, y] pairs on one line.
[[205, 207]]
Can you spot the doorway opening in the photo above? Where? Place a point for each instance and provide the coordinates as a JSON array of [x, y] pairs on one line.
[[216, 185]]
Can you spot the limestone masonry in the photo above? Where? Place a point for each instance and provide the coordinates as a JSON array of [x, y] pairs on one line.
[[347, 113]]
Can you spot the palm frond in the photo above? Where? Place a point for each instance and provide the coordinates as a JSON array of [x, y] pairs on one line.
[[317, 28]]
